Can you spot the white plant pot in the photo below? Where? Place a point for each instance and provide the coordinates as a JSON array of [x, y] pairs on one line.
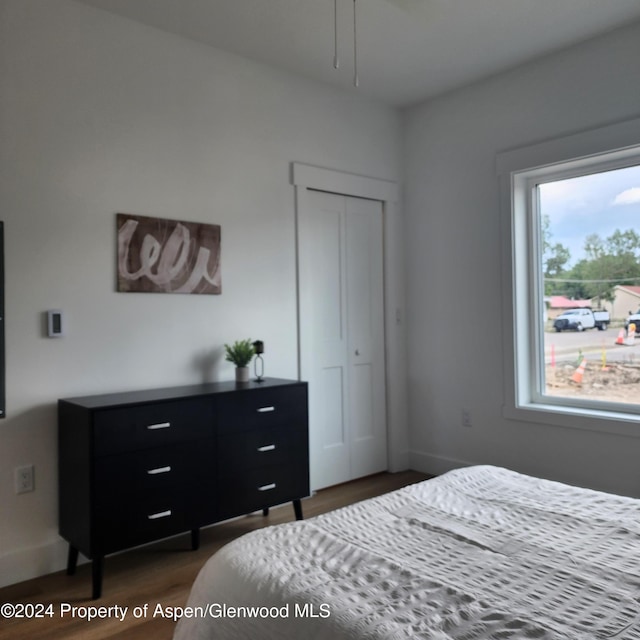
[[242, 374]]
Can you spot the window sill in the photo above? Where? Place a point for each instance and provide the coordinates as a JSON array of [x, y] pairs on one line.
[[610, 422]]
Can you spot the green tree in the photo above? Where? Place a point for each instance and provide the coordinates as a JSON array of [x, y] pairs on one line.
[[594, 247], [554, 257], [574, 286], [608, 263], [622, 243]]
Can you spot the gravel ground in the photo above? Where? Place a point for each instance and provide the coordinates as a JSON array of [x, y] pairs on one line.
[[616, 381]]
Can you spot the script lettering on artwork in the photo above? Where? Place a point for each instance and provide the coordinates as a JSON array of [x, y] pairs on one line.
[[168, 256]]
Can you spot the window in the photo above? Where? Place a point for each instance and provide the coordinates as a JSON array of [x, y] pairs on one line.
[[590, 260], [571, 218]]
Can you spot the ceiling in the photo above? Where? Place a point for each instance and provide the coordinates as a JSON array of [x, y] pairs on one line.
[[408, 50]]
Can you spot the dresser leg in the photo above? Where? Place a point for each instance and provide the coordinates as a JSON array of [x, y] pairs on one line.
[[96, 575], [195, 539], [72, 560], [265, 511], [297, 508]]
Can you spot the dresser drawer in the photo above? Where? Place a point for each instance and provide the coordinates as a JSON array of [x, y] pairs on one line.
[[261, 447], [141, 517], [152, 425], [261, 408], [184, 465], [263, 487]]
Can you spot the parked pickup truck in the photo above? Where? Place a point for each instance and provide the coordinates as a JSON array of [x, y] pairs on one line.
[[635, 319], [581, 319]]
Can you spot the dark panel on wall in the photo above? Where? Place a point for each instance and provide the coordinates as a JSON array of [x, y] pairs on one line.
[[3, 412]]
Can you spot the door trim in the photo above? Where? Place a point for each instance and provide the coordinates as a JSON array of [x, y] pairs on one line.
[[346, 184], [305, 177]]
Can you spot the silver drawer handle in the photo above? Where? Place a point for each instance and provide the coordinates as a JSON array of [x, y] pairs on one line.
[[266, 409], [267, 487], [162, 514], [267, 447], [153, 472], [160, 425]]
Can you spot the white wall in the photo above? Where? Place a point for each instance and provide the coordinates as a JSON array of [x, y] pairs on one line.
[[100, 115], [454, 254]]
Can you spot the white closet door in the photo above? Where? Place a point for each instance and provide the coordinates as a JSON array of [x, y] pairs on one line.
[[365, 337], [342, 335]]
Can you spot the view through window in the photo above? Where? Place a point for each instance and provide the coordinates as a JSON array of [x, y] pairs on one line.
[[590, 262]]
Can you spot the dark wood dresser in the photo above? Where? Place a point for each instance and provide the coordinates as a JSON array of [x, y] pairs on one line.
[[139, 466]]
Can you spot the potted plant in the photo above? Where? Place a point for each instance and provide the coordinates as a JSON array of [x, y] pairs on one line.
[[240, 353]]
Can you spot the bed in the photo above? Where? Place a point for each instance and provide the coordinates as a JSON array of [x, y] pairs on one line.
[[480, 552]]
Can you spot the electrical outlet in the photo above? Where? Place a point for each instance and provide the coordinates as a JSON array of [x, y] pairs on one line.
[[25, 479], [466, 418]]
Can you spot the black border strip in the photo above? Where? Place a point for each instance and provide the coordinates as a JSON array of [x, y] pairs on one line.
[[3, 412]]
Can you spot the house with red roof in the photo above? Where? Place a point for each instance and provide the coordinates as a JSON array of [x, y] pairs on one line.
[[558, 304], [626, 300]]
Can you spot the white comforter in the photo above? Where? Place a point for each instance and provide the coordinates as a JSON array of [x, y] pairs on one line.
[[476, 553]]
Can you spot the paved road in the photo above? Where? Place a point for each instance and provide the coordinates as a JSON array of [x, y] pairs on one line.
[[566, 346]]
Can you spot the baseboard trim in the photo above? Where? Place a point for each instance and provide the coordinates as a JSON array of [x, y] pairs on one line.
[[400, 462], [33, 562]]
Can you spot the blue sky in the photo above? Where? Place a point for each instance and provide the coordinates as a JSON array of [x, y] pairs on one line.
[[599, 203]]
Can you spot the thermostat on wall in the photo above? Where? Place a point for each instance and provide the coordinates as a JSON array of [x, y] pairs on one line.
[[54, 323]]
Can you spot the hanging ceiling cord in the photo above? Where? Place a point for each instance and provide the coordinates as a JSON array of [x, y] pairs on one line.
[[336, 61], [355, 47]]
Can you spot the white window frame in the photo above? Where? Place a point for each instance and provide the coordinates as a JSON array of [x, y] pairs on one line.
[[520, 171]]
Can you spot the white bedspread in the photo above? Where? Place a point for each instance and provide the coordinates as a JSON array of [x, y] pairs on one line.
[[476, 553]]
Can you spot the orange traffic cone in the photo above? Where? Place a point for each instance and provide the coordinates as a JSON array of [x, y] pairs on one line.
[[579, 372], [620, 338], [631, 334]]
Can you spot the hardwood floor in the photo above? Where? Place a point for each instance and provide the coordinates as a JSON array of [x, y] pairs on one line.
[[158, 574]]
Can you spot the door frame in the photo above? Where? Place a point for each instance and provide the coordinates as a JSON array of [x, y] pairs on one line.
[[306, 177]]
